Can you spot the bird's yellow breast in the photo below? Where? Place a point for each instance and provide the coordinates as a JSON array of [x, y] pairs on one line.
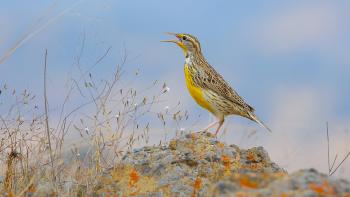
[[196, 92]]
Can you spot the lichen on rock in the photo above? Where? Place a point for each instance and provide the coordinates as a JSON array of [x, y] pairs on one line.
[[197, 164]]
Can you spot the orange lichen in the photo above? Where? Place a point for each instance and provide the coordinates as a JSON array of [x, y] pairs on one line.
[[284, 194], [251, 156], [197, 185], [134, 177], [226, 161], [255, 166], [227, 164], [221, 145], [130, 181], [245, 181], [347, 195], [325, 188], [241, 194]]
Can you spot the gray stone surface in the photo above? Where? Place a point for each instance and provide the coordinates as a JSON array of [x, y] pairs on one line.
[[198, 164]]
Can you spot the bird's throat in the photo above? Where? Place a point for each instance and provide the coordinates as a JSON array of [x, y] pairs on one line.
[[188, 59]]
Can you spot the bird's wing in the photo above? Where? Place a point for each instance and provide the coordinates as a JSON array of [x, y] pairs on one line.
[[213, 81]]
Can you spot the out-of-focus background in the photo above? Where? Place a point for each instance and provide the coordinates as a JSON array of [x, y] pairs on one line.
[[290, 60]]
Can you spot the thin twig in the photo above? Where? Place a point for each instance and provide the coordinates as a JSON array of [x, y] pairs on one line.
[[47, 117], [31, 181], [347, 155], [329, 167], [335, 159]]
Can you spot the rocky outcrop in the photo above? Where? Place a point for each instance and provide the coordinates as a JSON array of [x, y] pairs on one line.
[[198, 164]]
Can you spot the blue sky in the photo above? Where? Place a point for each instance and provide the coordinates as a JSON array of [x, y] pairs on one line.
[[289, 59]]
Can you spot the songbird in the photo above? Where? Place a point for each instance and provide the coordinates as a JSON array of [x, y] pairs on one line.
[[208, 88]]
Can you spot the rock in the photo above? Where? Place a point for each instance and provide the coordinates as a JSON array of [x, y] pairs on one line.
[[197, 164], [224, 189]]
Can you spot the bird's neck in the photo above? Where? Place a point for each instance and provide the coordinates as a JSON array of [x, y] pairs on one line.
[[192, 56], [188, 58]]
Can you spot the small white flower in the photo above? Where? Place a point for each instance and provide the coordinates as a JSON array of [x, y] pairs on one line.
[[166, 107], [86, 129], [182, 129], [78, 154], [116, 116]]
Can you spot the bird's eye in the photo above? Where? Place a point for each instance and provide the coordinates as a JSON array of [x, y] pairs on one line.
[[184, 38]]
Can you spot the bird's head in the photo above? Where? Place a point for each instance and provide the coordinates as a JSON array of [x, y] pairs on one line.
[[188, 43]]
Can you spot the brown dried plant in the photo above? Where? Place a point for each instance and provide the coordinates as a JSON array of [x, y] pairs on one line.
[[110, 116]]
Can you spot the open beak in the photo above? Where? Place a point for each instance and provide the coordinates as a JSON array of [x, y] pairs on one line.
[[174, 41], [178, 42]]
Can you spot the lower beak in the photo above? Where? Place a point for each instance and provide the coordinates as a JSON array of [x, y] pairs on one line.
[[174, 41], [173, 34]]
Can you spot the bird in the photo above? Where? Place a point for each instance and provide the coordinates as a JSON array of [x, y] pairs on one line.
[[208, 88]]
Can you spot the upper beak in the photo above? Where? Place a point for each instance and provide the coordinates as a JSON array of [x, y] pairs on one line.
[[174, 41]]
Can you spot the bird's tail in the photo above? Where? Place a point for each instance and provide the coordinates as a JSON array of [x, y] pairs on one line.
[[256, 119]]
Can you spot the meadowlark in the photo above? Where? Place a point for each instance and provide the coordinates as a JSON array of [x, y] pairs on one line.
[[207, 86]]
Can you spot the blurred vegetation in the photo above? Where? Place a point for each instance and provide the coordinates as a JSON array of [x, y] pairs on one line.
[[110, 118]]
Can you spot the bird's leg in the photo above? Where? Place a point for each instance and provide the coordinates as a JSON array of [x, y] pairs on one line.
[[221, 122], [211, 125]]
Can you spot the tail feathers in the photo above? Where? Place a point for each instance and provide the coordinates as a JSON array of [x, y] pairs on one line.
[[256, 119]]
